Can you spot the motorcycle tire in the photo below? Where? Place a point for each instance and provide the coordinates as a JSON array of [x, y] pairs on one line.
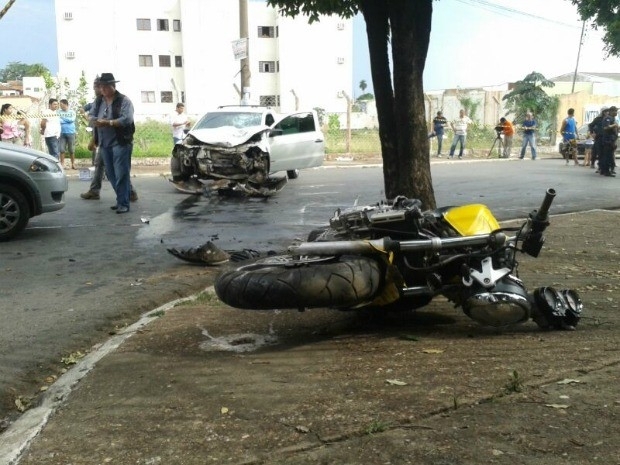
[[282, 282]]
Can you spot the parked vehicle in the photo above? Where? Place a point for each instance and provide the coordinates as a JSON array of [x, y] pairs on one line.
[[31, 183], [396, 256], [240, 148]]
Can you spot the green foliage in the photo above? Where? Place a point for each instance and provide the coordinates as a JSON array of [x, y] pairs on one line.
[[333, 124], [470, 106], [366, 96], [363, 85], [529, 95], [320, 113], [515, 383], [314, 8], [377, 426], [15, 71], [605, 15]]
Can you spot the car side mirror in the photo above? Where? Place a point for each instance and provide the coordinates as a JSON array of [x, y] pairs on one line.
[[275, 132], [186, 131]]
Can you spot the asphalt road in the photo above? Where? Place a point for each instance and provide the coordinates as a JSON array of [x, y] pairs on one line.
[[76, 274]]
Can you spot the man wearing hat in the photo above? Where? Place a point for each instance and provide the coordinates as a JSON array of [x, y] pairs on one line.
[[610, 137], [112, 118]]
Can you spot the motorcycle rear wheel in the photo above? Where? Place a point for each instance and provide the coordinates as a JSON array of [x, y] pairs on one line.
[[282, 282]]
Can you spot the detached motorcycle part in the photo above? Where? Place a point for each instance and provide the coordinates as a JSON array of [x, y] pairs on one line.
[[281, 282], [557, 309]]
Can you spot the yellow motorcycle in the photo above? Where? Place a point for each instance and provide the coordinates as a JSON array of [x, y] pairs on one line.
[[393, 255]]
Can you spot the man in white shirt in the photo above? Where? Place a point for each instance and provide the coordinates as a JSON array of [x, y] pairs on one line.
[[50, 128], [459, 126], [178, 122]]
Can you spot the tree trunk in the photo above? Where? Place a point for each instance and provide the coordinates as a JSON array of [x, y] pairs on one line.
[[375, 14], [411, 28], [401, 110]]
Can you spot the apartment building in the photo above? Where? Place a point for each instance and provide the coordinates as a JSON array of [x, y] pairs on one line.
[[169, 51]]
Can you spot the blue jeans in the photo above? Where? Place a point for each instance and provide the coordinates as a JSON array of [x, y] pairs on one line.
[[529, 139], [458, 139], [53, 147], [117, 162]]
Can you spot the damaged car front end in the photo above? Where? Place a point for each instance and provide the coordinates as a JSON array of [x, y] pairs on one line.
[[225, 159]]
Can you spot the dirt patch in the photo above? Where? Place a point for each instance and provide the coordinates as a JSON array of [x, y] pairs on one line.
[[341, 388]]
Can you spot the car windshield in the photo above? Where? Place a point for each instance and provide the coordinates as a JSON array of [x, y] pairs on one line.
[[236, 119]]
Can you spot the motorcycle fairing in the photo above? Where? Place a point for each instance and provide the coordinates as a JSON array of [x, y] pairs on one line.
[[471, 220]]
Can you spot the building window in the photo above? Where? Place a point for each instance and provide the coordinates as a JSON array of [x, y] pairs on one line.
[[166, 97], [164, 61], [267, 66], [145, 60], [176, 25], [178, 61], [144, 24], [269, 100], [148, 96], [162, 25], [266, 31]]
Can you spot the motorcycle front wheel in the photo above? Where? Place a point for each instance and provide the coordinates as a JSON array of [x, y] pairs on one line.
[[282, 282]]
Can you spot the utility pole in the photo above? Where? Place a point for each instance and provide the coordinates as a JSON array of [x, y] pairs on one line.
[[583, 27], [245, 62]]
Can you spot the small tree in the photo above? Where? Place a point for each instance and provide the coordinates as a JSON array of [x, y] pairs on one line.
[[529, 95]]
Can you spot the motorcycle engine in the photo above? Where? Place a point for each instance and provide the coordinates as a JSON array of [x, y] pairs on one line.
[[504, 304]]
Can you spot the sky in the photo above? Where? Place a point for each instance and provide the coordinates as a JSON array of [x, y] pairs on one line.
[[473, 43]]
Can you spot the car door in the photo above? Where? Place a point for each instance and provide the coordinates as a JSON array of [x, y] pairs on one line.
[[296, 143]]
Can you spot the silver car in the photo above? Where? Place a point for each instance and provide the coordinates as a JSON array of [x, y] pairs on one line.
[[31, 183]]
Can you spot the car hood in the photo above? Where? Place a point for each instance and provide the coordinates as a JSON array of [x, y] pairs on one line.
[[26, 151], [227, 136]]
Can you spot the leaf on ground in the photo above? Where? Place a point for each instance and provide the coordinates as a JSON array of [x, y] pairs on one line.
[[569, 381], [432, 351], [558, 406], [224, 410], [395, 382]]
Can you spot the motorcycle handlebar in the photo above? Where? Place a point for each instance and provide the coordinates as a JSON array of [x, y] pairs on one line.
[[391, 245], [543, 211]]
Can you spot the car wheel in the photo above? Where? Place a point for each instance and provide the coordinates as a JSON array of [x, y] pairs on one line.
[[292, 174], [14, 212], [176, 170]]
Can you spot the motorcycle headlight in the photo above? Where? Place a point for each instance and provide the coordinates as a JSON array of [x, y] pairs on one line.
[[557, 309], [505, 304]]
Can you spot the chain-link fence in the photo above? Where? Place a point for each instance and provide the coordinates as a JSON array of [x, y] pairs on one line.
[[153, 139]]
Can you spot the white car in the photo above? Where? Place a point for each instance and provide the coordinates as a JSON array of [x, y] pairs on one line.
[[240, 148]]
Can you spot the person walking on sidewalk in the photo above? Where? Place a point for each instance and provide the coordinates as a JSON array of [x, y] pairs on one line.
[[67, 132], [113, 121], [529, 135], [94, 190], [459, 126]]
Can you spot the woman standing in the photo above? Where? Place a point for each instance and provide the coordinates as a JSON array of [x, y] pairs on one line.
[[10, 121]]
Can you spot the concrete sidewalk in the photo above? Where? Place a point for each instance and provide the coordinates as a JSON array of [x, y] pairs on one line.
[[197, 382]]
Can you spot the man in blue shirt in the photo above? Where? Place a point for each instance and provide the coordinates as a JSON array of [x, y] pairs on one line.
[[529, 135], [569, 136], [67, 132]]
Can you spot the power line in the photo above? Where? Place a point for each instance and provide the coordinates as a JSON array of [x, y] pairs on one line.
[[511, 12]]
